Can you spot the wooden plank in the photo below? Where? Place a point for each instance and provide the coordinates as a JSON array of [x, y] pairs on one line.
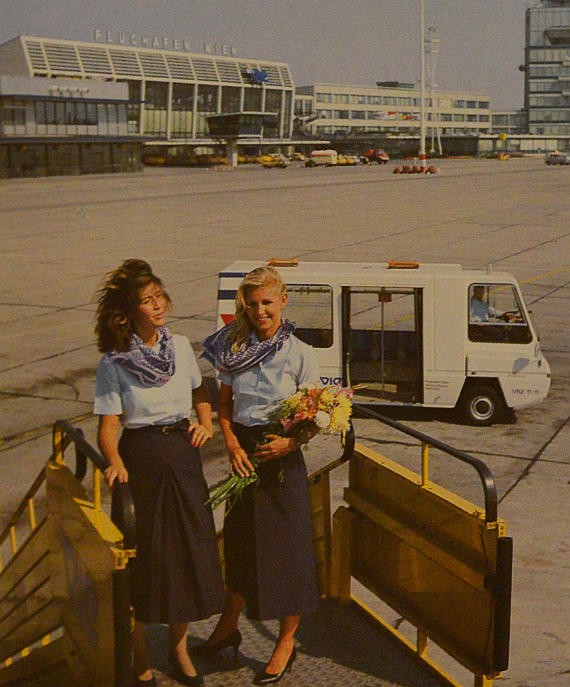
[[471, 571], [26, 604], [53, 665], [46, 620]]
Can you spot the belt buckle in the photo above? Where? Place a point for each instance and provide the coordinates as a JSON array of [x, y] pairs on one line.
[[166, 429]]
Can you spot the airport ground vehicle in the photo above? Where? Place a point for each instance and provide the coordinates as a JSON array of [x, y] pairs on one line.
[[349, 160], [275, 160], [412, 334], [557, 158], [376, 155], [326, 158]]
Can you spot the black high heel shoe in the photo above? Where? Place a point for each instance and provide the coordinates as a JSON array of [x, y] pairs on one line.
[[181, 677], [265, 678], [233, 640]]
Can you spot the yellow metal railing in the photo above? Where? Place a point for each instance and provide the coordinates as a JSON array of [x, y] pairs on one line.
[[70, 548], [442, 563]]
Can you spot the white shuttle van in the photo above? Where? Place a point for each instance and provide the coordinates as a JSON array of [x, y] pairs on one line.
[[432, 335]]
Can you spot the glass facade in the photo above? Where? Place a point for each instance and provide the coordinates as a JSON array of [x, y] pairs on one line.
[[44, 117], [171, 92], [547, 68]]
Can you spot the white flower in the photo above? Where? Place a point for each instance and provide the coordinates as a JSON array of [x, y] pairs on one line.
[[322, 419]]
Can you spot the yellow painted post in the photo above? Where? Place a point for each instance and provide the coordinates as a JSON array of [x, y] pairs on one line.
[[341, 567], [13, 539], [425, 456], [58, 445], [421, 643], [32, 512], [96, 489]]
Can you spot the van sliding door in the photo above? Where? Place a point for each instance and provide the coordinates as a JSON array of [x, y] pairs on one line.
[[382, 343]]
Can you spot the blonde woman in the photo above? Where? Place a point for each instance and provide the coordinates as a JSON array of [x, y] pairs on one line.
[[148, 381], [269, 554]]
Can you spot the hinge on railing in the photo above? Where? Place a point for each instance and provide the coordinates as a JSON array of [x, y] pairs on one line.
[[122, 557]]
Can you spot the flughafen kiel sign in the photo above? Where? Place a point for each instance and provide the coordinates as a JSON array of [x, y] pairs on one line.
[[159, 42]]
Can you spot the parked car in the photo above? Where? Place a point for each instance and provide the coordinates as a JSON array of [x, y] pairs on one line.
[[348, 160], [557, 158], [275, 160], [297, 157]]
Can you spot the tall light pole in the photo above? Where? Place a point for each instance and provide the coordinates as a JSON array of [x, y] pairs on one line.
[[422, 154]]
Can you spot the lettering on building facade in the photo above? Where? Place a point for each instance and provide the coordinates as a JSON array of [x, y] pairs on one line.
[[136, 40]]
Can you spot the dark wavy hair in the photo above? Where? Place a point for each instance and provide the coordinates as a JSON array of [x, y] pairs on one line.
[[118, 300]]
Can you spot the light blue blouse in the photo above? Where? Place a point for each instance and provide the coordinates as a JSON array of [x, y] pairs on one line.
[[277, 376], [118, 392]]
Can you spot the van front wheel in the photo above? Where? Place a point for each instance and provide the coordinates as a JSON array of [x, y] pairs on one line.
[[480, 406]]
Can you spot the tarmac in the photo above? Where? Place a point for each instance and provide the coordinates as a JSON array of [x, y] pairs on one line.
[[60, 235]]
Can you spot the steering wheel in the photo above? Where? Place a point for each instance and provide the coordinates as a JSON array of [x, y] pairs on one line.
[[511, 316]]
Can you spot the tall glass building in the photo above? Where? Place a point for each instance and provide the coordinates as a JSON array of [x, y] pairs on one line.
[[547, 68]]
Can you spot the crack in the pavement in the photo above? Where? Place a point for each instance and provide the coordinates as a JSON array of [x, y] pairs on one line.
[[524, 474]]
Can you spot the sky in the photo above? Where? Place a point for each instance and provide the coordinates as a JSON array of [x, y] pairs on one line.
[[356, 43]]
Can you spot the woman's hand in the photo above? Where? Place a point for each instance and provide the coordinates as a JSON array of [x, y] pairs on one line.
[[240, 465], [198, 434], [276, 448], [116, 472]]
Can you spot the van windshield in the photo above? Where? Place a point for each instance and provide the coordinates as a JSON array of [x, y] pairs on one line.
[[496, 315]]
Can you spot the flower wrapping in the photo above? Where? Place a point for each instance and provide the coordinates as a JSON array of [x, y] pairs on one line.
[[302, 415]]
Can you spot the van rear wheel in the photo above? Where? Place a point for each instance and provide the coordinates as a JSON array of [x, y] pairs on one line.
[[481, 406]]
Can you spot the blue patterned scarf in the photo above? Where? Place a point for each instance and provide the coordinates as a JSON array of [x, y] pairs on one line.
[[150, 368], [217, 349]]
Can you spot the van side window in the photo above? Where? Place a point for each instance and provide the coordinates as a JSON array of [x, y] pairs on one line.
[[310, 307], [496, 315]]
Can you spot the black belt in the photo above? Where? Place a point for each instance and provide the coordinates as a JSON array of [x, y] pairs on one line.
[[180, 426]]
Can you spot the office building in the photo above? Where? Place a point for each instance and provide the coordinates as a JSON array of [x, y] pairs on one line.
[[389, 108], [547, 68]]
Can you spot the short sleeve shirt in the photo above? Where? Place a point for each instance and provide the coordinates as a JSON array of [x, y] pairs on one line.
[[118, 392], [276, 377]]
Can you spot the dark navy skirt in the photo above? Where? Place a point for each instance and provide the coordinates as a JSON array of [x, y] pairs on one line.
[[176, 575], [268, 538]]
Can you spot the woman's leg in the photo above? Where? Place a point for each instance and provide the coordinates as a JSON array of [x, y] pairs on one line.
[[141, 663], [284, 647], [228, 622], [179, 648]]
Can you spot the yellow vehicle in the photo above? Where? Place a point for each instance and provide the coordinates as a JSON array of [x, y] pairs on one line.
[[348, 160], [275, 160]]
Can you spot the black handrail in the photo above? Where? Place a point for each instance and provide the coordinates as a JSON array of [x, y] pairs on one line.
[[122, 507], [485, 474]]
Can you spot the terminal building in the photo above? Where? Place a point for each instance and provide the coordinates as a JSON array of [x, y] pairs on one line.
[[547, 68], [62, 88], [391, 107]]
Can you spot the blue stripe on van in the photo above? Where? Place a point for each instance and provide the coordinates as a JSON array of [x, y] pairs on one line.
[[227, 294], [232, 275]]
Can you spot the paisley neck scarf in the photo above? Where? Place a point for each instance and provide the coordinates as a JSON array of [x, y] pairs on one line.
[[149, 367], [217, 349]]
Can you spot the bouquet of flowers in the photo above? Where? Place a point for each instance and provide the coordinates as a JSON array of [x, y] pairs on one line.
[[303, 415]]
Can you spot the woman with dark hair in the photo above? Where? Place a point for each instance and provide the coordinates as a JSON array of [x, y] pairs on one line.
[[268, 544], [148, 381]]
